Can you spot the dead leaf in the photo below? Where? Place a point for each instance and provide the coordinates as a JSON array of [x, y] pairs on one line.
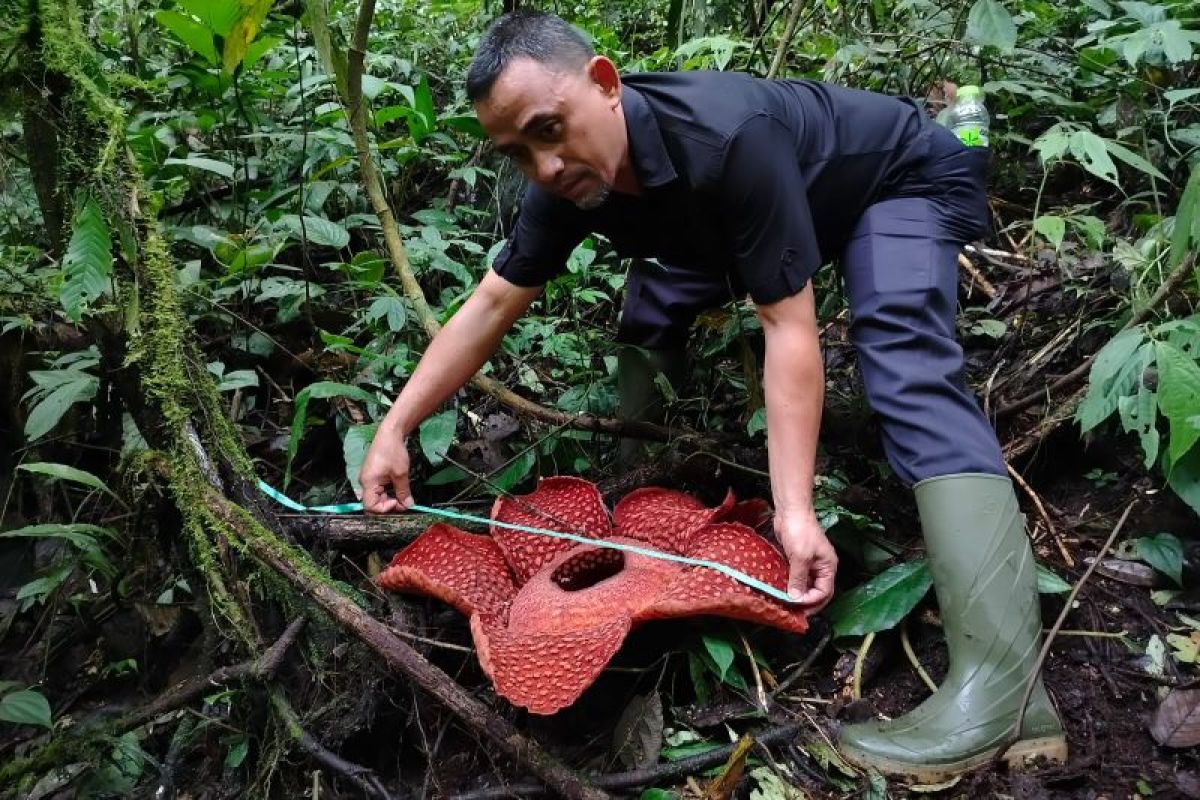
[[160, 619], [723, 785], [1177, 721], [638, 736], [1130, 572]]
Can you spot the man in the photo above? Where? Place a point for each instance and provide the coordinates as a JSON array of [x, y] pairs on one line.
[[741, 185]]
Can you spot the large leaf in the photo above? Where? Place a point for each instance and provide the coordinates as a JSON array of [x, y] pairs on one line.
[[221, 168], [1185, 237], [250, 19], [190, 32], [318, 230], [219, 16], [989, 23], [1134, 160], [354, 450], [78, 534], [1053, 227], [436, 435], [47, 413], [515, 472], [87, 264], [1111, 377], [722, 653], [881, 602], [67, 473], [1184, 479], [1048, 581], [1177, 721], [1092, 152], [25, 707], [638, 735], [1164, 552], [321, 390], [1178, 397]]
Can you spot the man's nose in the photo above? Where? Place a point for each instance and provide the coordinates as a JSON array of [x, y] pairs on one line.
[[548, 167]]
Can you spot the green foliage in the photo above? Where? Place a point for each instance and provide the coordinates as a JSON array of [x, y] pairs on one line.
[[321, 390], [880, 603], [1164, 552], [57, 389], [25, 707], [87, 264], [436, 434], [72, 474]]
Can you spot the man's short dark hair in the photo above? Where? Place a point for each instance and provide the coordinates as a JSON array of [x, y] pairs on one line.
[[544, 37]]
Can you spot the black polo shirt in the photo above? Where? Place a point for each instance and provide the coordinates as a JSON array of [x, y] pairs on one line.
[[760, 179]]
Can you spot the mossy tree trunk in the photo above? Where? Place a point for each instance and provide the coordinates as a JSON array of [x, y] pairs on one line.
[[230, 539]]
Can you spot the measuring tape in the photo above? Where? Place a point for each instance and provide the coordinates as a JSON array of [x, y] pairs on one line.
[[724, 569]]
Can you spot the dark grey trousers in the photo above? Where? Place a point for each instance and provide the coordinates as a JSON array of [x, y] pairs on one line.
[[901, 272]]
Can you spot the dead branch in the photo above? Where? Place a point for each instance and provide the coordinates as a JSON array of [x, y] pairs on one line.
[[977, 278], [1170, 285], [361, 532], [789, 30], [362, 777], [643, 777]]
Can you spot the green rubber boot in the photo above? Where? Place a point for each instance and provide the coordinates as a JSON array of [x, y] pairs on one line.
[[986, 584], [641, 400]]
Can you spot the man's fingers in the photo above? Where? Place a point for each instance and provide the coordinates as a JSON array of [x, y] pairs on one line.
[[798, 578], [377, 501], [404, 498]]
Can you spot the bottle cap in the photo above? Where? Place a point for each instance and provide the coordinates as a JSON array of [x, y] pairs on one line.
[[969, 92]]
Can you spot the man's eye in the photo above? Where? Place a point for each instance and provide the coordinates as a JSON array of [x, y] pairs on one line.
[[552, 130]]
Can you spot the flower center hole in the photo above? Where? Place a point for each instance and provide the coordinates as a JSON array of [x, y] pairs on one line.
[[587, 569]]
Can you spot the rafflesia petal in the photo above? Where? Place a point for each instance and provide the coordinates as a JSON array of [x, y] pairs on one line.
[[663, 518], [700, 590], [571, 505], [460, 568]]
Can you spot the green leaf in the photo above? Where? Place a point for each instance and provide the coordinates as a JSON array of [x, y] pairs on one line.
[[1178, 397], [219, 16], [722, 654], [1049, 583], [515, 472], [1052, 227], [199, 162], [250, 18], [1052, 144], [757, 423], [990, 24], [445, 475], [881, 602], [321, 390], [66, 473], [1164, 552], [239, 748], [436, 434], [77, 533], [1092, 153], [1108, 378], [26, 707], [1184, 479], [1185, 236], [657, 794], [47, 413], [190, 32], [354, 450], [318, 230], [1134, 160], [87, 264]]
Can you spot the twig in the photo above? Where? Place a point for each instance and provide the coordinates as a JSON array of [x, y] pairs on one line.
[[362, 777], [642, 777], [977, 276], [912, 657], [809, 660], [1037, 502], [1015, 734], [789, 30], [1173, 282]]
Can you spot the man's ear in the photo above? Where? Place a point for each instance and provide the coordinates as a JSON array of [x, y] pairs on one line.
[[603, 73]]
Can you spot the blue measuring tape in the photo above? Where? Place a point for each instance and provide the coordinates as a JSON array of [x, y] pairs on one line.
[[724, 569]]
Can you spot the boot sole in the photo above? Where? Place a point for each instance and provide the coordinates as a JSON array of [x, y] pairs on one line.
[[1052, 748]]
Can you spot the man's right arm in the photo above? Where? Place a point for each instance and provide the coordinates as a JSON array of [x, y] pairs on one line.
[[452, 358]]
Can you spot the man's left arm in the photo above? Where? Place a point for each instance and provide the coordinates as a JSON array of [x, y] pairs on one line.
[[763, 201], [794, 379]]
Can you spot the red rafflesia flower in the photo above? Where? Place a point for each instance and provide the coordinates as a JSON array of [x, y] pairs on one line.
[[547, 614]]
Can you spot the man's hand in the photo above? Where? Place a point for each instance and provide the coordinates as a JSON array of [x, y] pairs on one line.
[[385, 466], [812, 562]]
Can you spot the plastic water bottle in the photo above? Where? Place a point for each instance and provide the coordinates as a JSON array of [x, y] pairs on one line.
[[968, 118]]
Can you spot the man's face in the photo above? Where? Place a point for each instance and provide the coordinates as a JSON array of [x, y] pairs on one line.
[[563, 128]]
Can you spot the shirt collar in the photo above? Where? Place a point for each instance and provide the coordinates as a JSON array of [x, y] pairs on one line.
[[649, 156]]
